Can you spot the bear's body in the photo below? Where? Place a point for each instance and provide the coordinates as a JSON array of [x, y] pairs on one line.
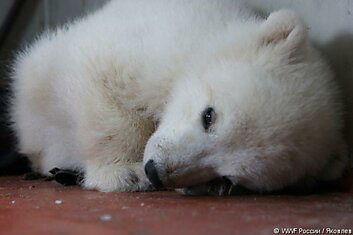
[[89, 97]]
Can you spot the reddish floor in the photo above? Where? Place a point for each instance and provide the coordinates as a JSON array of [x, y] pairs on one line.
[[37, 207]]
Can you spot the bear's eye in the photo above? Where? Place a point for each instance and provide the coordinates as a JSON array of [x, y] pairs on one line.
[[208, 118]]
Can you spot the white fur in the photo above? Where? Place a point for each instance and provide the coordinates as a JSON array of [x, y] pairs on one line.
[[88, 96]]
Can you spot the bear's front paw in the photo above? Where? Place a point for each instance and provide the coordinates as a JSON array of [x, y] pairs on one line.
[[117, 177]]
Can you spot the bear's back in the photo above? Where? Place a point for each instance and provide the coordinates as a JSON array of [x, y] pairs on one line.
[[157, 28]]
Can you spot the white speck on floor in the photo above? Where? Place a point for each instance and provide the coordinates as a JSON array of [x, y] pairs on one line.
[[142, 204], [58, 202], [13, 202], [105, 217]]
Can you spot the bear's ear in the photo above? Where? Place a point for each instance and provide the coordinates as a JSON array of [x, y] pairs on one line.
[[284, 32]]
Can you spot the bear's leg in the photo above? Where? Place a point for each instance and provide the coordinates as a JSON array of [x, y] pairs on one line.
[[112, 147], [116, 177]]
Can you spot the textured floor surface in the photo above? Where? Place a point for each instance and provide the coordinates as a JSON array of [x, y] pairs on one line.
[[38, 207]]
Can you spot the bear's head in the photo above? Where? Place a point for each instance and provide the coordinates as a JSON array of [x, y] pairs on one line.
[[262, 112]]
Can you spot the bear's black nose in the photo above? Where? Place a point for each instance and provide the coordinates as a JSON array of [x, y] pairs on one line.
[[152, 174]]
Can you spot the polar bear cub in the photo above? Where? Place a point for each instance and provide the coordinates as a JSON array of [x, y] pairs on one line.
[[187, 91]]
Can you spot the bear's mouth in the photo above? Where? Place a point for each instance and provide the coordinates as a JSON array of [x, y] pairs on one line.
[[216, 187], [184, 177]]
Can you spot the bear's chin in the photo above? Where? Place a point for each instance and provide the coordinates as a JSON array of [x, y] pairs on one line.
[[216, 187]]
